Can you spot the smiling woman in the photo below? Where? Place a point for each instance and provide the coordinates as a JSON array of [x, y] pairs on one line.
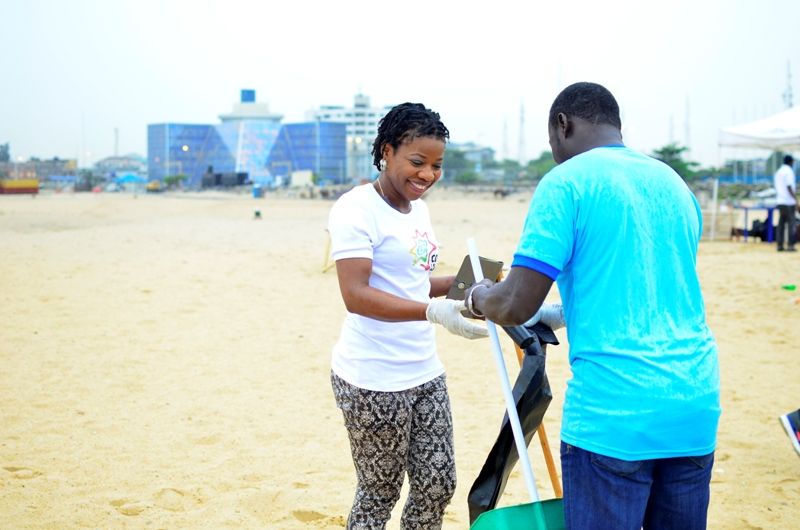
[[415, 165], [408, 151], [386, 374]]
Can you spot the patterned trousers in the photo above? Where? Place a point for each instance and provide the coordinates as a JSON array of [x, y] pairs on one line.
[[394, 433]]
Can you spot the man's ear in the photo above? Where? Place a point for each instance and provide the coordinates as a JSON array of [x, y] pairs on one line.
[[565, 124]]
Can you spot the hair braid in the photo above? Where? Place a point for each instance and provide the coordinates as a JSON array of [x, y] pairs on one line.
[[405, 122]]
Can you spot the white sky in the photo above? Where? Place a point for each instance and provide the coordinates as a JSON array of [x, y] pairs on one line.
[[73, 70]]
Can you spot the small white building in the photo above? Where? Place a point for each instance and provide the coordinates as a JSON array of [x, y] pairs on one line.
[[362, 126]]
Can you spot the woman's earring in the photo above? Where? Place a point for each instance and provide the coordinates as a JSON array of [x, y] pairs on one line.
[[383, 164]]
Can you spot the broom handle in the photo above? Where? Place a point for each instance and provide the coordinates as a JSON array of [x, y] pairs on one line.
[[511, 408]]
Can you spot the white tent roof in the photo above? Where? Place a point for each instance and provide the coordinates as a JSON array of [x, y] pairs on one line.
[[779, 132]]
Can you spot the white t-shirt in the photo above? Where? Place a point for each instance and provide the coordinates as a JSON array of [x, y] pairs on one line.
[[373, 354], [785, 177]]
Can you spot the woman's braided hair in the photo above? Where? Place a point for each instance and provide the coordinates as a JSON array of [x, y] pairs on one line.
[[406, 122]]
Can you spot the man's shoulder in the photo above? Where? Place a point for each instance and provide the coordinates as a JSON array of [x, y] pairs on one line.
[[611, 155], [597, 161]]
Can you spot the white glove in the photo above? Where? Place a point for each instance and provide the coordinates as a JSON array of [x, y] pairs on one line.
[[447, 313], [551, 315]]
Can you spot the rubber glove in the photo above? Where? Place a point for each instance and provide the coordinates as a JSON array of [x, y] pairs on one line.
[[447, 313], [551, 315]]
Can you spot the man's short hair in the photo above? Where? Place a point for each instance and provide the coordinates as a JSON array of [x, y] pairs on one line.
[[588, 101], [788, 160]]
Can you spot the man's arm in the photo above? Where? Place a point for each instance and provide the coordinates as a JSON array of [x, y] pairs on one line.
[[514, 300]]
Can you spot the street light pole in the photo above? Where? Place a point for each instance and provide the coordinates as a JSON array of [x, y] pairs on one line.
[[318, 148], [185, 149]]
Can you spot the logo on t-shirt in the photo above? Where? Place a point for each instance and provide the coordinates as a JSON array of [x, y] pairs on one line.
[[424, 250]]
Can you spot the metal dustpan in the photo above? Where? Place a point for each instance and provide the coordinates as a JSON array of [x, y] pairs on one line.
[[536, 515]]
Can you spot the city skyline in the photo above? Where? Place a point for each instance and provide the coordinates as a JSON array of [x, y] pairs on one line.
[[82, 78]]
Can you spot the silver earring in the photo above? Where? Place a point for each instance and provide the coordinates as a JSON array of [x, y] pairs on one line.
[[383, 164]]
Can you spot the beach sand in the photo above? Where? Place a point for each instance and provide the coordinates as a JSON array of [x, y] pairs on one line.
[[165, 364]]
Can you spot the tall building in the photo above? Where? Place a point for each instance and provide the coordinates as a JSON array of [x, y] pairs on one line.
[[361, 121], [249, 140]]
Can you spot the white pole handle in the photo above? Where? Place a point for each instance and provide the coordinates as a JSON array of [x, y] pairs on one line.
[[511, 407]]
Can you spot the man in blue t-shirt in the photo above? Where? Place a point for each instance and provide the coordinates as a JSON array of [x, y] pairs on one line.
[[618, 231]]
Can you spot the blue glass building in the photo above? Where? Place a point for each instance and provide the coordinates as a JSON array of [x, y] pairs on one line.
[[315, 146], [250, 140]]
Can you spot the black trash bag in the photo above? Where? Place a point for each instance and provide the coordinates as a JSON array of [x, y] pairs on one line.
[[532, 397]]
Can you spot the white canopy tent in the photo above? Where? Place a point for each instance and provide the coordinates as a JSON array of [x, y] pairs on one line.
[[779, 132]]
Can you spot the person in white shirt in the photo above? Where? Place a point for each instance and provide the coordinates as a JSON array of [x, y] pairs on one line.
[[386, 375], [786, 189]]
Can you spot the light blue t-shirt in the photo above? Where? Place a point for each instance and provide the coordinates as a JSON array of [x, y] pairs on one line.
[[619, 231]]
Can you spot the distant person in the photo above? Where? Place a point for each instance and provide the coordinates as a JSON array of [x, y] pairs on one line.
[[786, 189], [386, 375], [619, 232]]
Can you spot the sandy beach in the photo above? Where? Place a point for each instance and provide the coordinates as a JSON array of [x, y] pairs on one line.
[[166, 365]]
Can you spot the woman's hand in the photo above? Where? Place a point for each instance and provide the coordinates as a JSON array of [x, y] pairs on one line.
[[551, 315], [447, 313]]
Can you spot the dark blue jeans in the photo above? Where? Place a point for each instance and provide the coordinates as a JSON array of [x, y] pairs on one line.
[[607, 493]]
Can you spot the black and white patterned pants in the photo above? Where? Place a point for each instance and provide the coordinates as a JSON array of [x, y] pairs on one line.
[[394, 433]]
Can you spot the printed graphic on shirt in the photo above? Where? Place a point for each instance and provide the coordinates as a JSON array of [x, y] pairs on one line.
[[424, 250]]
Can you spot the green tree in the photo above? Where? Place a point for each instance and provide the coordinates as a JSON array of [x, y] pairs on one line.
[[455, 163], [87, 180], [672, 155], [711, 172], [174, 181], [775, 161], [466, 177], [537, 168], [511, 168]]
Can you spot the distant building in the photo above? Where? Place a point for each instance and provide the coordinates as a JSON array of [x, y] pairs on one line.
[[362, 125], [114, 166], [478, 154], [36, 168], [250, 140], [249, 109]]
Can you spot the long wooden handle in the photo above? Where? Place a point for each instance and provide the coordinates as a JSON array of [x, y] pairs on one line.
[[548, 455]]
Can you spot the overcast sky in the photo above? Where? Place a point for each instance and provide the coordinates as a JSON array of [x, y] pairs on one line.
[[74, 70]]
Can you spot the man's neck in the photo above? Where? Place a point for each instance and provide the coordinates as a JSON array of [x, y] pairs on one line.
[[601, 136]]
